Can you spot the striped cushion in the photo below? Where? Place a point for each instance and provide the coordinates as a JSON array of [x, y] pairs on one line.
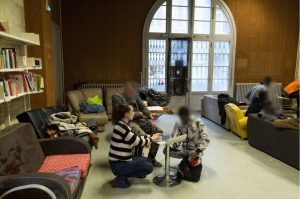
[[71, 175]]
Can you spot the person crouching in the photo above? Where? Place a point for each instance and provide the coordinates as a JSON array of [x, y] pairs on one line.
[[123, 141]]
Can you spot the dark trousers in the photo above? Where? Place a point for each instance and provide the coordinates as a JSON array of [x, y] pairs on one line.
[[137, 168], [149, 129], [188, 172]]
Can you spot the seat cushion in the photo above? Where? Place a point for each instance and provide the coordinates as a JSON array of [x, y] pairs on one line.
[[101, 118], [71, 175], [56, 163]]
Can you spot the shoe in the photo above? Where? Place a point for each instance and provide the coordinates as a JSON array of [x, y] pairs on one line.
[[122, 185], [156, 164]]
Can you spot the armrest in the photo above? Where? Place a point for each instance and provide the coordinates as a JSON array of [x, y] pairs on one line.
[[55, 183], [64, 145], [243, 122], [244, 111]]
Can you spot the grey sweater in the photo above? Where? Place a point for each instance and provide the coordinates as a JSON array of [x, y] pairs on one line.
[[136, 103]]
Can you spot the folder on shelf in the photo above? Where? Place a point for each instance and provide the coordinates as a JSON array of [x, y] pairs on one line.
[[1, 91], [38, 82], [12, 87], [2, 81], [8, 61], [6, 86], [29, 81], [21, 61], [1, 60]]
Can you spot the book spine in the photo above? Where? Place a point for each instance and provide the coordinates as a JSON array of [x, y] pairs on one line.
[[7, 58]]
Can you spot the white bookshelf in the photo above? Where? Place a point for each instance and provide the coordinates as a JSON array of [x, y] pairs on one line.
[[12, 105], [7, 70], [10, 98], [16, 39]]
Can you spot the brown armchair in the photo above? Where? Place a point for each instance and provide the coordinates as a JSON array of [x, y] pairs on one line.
[[77, 96], [21, 157]]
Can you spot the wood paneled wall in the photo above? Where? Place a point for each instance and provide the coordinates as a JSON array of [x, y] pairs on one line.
[[102, 40], [267, 39]]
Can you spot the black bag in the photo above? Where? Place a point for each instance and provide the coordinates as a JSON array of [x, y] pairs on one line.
[[153, 97], [188, 172]]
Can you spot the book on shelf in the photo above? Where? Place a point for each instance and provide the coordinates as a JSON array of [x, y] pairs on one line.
[[12, 87], [20, 80], [8, 58], [16, 83], [6, 85]]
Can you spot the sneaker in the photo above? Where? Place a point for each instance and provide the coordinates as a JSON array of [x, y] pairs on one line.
[[120, 184]]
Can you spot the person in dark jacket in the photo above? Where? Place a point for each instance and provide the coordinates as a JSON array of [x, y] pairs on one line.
[[258, 103], [129, 96]]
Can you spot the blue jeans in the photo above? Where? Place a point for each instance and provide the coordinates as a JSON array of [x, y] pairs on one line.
[[137, 168]]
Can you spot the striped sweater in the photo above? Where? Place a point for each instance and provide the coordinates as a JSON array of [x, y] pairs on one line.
[[123, 141]]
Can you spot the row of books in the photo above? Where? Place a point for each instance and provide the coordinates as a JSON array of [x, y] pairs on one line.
[[8, 58], [13, 84]]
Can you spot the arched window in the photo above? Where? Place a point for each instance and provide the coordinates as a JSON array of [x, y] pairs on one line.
[[198, 34]]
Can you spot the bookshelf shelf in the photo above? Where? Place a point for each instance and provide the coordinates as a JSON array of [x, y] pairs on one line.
[[10, 98], [7, 70], [11, 70], [15, 39]]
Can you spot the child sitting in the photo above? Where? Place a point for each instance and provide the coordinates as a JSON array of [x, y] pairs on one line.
[[190, 150]]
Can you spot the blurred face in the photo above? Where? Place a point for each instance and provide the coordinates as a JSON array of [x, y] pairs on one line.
[[130, 114], [129, 91], [184, 118]]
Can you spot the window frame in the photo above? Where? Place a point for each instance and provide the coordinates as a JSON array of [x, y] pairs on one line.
[[194, 37]]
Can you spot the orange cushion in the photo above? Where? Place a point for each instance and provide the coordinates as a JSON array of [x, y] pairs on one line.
[[292, 87], [56, 163]]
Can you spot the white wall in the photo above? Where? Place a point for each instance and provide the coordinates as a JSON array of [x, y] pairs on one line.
[[12, 11]]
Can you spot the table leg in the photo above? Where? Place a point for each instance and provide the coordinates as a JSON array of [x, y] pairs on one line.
[[166, 180]]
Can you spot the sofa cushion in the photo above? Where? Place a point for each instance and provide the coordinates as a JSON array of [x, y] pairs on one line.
[[91, 92], [101, 118], [71, 175], [20, 150], [75, 98], [55, 163]]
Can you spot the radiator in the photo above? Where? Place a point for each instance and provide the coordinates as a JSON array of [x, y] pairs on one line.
[[102, 86], [243, 88]]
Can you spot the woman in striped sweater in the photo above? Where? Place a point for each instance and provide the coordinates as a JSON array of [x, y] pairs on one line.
[[123, 141]]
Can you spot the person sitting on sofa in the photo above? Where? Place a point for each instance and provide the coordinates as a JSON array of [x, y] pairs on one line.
[[121, 160], [130, 96], [191, 150], [263, 86], [258, 103]]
